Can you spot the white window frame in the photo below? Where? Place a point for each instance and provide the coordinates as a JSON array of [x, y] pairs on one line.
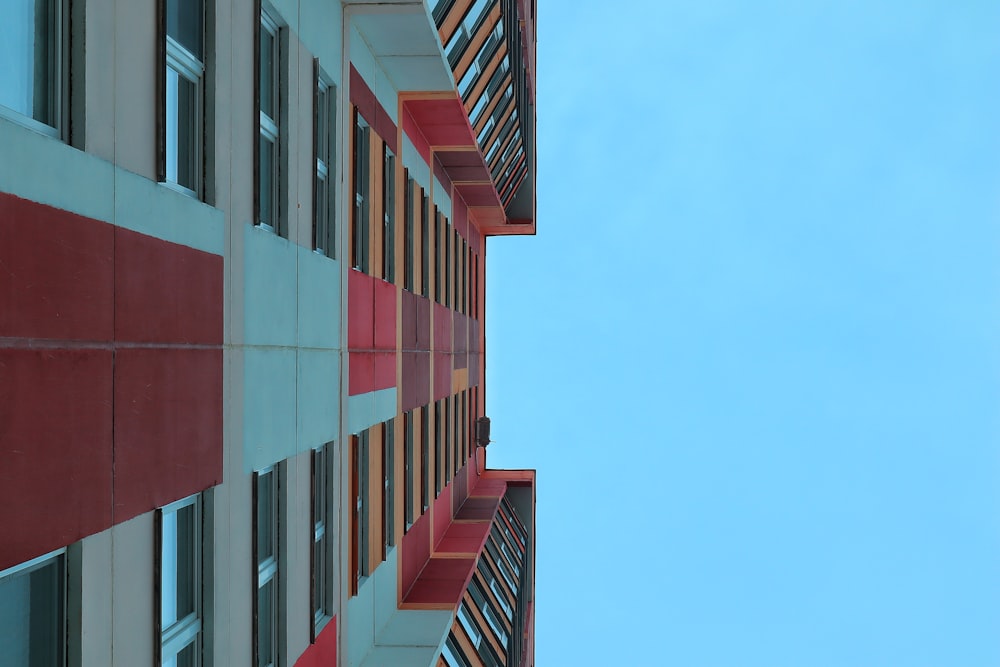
[[326, 104], [38, 563], [322, 484], [469, 625], [187, 66], [185, 631], [270, 128], [55, 81], [267, 569]]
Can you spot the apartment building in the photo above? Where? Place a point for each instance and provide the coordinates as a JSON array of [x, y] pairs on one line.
[[242, 293]]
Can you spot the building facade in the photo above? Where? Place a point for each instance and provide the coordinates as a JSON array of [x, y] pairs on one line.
[[242, 291]]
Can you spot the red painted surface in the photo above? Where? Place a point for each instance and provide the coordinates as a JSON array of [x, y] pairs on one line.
[[442, 175], [415, 549], [417, 137], [371, 110], [442, 375], [442, 582], [361, 311], [442, 328], [58, 275], [385, 314], [384, 370], [467, 538], [408, 317], [323, 653], [362, 375], [442, 514], [416, 380], [96, 423], [460, 216], [423, 323], [477, 508], [166, 293], [460, 490], [56, 449], [173, 398]]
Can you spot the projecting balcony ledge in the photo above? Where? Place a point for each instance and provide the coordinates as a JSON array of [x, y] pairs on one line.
[[440, 119]]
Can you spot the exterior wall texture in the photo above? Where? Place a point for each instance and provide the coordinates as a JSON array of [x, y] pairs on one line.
[[158, 345]]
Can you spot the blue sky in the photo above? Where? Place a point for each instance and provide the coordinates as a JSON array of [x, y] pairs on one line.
[[753, 350]]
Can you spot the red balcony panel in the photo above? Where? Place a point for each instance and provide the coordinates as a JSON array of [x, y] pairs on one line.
[[57, 280], [361, 373], [56, 448], [168, 426], [166, 293], [385, 315], [360, 311]]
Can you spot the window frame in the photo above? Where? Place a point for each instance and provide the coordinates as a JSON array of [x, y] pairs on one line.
[[59, 558], [388, 214], [324, 154], [361, 512], [266, 571], [408, 231], [361, 188], [322, 482], [269, 129], [408, 469], [179, 59], [388, 485], [185, 631], [57, 80]]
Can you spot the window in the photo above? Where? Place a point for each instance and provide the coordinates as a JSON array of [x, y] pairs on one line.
[[490, 614], [266, 558], [325, 119], [437, 255], [388, 214], [388, 495], [438, 458], [425, 470], [269, 98], [452, 654], [425, 248], [359, 524], [448, 458], [446, 259], [408, 465], [322, 556], [359, 220], [33, 609], [469, 624], [180, 583], [183, 96], [408, 233], [32, 50]]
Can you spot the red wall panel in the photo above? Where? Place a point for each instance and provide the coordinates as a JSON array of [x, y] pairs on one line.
[[97, 425], [409, 320], [324, 652], [360, 311], [385, 315], [442, 328], [442, 375], [423, 323], [384, 370], [56, 449], [57, 280], [361, 373], [168, 426], [442, 514], [415, 550], [166, 293], [416, 380]]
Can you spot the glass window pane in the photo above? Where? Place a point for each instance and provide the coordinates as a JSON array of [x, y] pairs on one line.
[[31, 616], [266, 185], [319, 585], [265, 528], [182, 130], [168, 569], [267, 60], [185, 561], [265, 624], [184, 21], [28, 59]]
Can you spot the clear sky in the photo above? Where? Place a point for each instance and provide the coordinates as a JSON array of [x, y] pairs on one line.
[[754, 349]]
